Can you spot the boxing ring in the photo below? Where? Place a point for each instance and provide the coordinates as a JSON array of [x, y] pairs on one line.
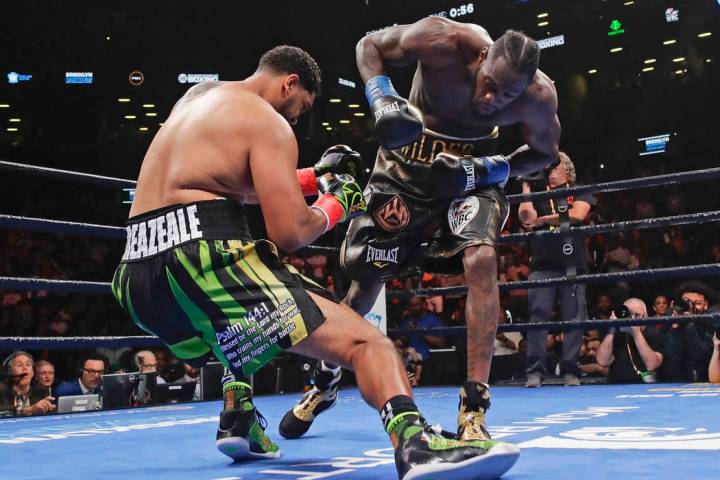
[[596, 432], [600, 431]]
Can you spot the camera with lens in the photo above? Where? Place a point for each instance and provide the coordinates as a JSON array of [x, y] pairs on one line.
[[682, 306], [622, 311]]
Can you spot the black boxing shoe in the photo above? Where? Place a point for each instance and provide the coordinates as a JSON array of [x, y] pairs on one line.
[[320, 398], [474, 402], [423, 454]]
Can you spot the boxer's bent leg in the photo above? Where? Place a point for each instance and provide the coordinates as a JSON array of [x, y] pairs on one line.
[[362, 295], [346, 339]]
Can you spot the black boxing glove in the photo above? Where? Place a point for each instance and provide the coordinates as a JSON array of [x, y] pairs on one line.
[[339, 159], [397, 122], [341, 199], [455, 176]]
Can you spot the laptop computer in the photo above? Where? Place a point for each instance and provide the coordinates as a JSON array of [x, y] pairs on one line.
[[174, 392], [78, 403]]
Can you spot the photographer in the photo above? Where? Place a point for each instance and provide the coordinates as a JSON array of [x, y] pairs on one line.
[[688, 345], [632, 354], [552, 257]]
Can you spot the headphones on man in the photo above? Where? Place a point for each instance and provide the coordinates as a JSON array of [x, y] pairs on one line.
[[7, 363]]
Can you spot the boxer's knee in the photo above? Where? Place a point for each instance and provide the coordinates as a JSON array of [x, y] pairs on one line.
[[480, 264]]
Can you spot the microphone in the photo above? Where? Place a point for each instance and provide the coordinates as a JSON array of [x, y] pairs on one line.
[[10, 376]]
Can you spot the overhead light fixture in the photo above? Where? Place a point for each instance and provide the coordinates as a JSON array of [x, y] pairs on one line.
[[353, 105], [14, 120], [592, 70], [542, 15], [150, 114], [543, 24], [670, 42], [708, 60], [629, 3], [648, 69], [344, 122], [678, 59], [359, 114], [161, 124], [704, 34], [130, 117], [143, 129], [650, 60], [123, 100], [616, 49], [148, 105], [678, 72], [328, 128], [325, 124], [12, 129], [4, 105], [335, 100]]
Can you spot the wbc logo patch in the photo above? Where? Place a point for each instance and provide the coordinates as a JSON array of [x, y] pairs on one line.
[[461, 213]]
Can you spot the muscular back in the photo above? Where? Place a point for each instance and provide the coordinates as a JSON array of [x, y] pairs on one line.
[[202, 150]]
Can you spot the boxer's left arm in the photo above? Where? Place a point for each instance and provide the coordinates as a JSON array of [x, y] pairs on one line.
[[540, 129]]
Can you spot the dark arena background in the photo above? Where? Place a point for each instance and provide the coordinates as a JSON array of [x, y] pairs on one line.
[[86, 85]]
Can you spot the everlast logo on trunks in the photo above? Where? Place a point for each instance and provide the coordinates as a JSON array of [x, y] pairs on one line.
[[381, 257], [470, 177], [393, 216], [159, 234], [425, 149], [390, 107]]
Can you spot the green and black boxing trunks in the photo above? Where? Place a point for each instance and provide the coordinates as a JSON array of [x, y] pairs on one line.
[[403, 212], [192, 275]]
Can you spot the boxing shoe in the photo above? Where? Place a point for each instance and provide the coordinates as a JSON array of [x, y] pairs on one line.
[[474, 402], [320, 398], [423, 454], [241, 433]]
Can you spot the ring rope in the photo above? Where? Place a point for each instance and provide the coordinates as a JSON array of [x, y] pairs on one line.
[[614, 186], [629, 276], [620, 185], [107, 231], [711, 269], [589, 324], [29, 343], [69, 175]]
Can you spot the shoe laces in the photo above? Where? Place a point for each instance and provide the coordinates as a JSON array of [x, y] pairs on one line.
[[261, 419]]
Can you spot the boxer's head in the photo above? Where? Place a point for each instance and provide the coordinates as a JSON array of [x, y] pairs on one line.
[[505, 70], [298, 80]]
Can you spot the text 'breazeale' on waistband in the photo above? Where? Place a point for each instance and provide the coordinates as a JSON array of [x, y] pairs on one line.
[[158, 234]]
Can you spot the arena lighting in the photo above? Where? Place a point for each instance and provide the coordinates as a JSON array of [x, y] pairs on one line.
[[325, 124], [143, 129], [542, 15], [161, 124], [648, 69], [4, 105], [150, 114], [650, 60], [542, 24], [148, 105], [353, 105], [14, 120], [704, 34], [334, 100], [328, 128], [592, 70], [123, 100], [344, 122], [678, 59], [669, 42], [616, 49], [678, 72], [130, 117], [631, 2], [12, 129], [359, 114]]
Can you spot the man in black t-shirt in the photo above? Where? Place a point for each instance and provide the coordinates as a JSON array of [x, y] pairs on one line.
[[632, 354], [551, 257]]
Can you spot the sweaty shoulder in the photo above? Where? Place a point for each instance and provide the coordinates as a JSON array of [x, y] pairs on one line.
[[254, 117]]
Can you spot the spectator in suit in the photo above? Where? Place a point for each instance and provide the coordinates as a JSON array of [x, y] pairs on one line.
[[89, 380]]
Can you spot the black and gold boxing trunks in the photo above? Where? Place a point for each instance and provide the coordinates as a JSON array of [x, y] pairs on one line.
[[404, 213], [192, 275]]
